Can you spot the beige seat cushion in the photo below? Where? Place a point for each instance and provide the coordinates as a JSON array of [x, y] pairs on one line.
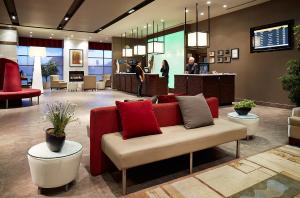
[[174, 141], [295, 121]]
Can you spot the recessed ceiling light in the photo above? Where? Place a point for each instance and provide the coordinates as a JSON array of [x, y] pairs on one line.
[[224, 6], [162, 20], [50, 37], [100, 29], [30, 32], [208, 2], [100, 41], [131, 11], [186, 10], [60, 27], [145, 26], [52, 34], [90, 37], [149, 25], [66, 18], [13, 17], [72, 35], [202, 13]]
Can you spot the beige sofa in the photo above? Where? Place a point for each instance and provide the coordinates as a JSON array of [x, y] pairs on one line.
[[174, 141], [55, 83], [294, 127]]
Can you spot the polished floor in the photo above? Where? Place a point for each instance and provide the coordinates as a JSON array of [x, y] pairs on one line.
[[20, 128]]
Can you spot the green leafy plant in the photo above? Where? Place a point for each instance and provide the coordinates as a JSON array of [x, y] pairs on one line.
[[60, 114], [49, 69], [297, 35], [291, 81], [246, 103]]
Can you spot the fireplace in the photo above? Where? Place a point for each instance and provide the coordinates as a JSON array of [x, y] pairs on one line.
[[75, 76]]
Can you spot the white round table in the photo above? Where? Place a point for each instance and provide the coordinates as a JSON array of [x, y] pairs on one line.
[[50, 169], [250, 120]]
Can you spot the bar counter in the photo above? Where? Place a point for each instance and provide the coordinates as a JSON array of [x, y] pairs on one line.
[[221, 86], [153, 84]]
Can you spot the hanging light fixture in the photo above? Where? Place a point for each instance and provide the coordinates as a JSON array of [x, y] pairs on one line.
[[126, 51], [156, 46], [139, 50], [198, 39]]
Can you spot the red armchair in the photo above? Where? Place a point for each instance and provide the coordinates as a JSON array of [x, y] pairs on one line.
[[10, 83]]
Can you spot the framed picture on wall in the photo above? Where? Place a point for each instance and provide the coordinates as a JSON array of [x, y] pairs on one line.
[[76, 58], [227, 52], [220, 59], [211, 60], [235, 53], [220, 52], [227, 59], [211, 54]]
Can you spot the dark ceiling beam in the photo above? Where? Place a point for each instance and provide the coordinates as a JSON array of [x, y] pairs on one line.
[[72, 10], [127, 13], [12, 12]]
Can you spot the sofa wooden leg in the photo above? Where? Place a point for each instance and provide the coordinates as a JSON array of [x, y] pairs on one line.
[[124, 181], [38, 100], [191, 163], [6, 104], [238, 149], [30, 101]]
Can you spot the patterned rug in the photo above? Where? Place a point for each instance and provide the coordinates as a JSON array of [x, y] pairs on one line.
[[274, 173]]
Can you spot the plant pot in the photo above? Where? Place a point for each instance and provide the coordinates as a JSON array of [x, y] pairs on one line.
[[54, 143], [242, 111]]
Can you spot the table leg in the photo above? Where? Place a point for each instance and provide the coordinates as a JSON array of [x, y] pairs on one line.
[[6, 105], [40, 190]]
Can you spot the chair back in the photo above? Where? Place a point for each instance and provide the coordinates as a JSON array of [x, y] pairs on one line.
[[3, 61], [89, 82]]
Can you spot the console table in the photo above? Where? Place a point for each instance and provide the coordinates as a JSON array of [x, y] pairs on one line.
[[211, 85]]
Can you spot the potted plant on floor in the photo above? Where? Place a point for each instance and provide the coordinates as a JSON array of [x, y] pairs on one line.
[[244, 107], [49, 69], [291, 81], [60, 114]]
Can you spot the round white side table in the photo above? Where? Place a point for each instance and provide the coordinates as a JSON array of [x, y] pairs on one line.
[[72, 86], [50, 169], [250, 121]]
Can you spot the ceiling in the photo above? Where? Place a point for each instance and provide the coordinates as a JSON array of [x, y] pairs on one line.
[[42, 17]]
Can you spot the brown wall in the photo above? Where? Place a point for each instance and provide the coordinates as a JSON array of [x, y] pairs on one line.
[[257, 73]]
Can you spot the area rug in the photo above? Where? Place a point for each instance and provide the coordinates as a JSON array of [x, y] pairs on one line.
[[274, 173]]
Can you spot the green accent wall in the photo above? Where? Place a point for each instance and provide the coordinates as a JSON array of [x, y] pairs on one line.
[[174, 54]]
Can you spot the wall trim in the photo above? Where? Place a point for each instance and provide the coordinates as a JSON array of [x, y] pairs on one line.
[[8, 43], [7, 28], [271, 104]]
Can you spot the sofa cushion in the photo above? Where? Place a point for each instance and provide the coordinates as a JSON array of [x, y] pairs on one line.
[[166, 98], [174, 141], [137, 119], [195, 111]]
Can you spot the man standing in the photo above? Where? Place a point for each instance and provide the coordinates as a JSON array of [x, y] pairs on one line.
[[140, 76], [191, 67]]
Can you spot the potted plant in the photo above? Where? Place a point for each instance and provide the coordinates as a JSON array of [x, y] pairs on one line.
[[60, 114], [244, 107], [291, 81], [49, 69]]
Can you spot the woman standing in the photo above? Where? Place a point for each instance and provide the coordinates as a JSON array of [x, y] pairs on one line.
[[165, 69]]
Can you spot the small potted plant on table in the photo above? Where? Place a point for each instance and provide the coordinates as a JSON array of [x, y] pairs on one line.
[[244, 107], [60, 114]]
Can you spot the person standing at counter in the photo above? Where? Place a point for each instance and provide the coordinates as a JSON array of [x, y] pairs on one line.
[[191, 67], [140, 78], [165, 70]]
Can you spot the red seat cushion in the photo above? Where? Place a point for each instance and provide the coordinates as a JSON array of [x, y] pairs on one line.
[[12, 80], [167, 98], [138, 119], [24, 93]]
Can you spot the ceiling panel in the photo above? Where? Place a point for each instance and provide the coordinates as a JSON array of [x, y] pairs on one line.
[[42, 13], [95, 13], [173, 13], [4, 18]]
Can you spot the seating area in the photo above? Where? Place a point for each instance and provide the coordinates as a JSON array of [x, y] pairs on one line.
[[150, 99]]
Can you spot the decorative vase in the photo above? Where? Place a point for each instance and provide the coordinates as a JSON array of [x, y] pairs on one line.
[[242, 111], [54, 143]]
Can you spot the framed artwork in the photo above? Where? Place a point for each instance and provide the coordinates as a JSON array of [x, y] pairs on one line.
[[235, 53], [211, 54], [211, 60], [227, 59], [76, 58], [220, 59], [220, 52], [227, 52]]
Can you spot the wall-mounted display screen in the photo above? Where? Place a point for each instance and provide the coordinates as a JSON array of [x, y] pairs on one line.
[[277, 36]]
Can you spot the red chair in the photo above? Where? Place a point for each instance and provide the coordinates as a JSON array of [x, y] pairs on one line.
[[10, 83]]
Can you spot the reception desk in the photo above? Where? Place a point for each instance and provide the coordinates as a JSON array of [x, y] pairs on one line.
[[153, 84], [211, 85]]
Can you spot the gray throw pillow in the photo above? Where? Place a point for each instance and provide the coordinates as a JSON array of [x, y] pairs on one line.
[[195, 111]]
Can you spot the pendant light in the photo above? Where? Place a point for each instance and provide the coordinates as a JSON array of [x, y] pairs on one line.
[[156, 46], [197, 39], [139, 50], [126, 51]]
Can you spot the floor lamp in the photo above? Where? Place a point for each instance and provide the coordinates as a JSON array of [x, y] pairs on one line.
[[37, 79]]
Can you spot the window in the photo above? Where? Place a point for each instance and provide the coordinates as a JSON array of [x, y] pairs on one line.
[[100, 63], [26, 62]]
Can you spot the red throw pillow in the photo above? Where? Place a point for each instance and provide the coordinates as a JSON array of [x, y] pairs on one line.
[[138, 119], [166, 98]]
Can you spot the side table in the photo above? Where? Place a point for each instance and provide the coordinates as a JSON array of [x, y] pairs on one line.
[[250, 120], [72, 86], [49, 169]]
